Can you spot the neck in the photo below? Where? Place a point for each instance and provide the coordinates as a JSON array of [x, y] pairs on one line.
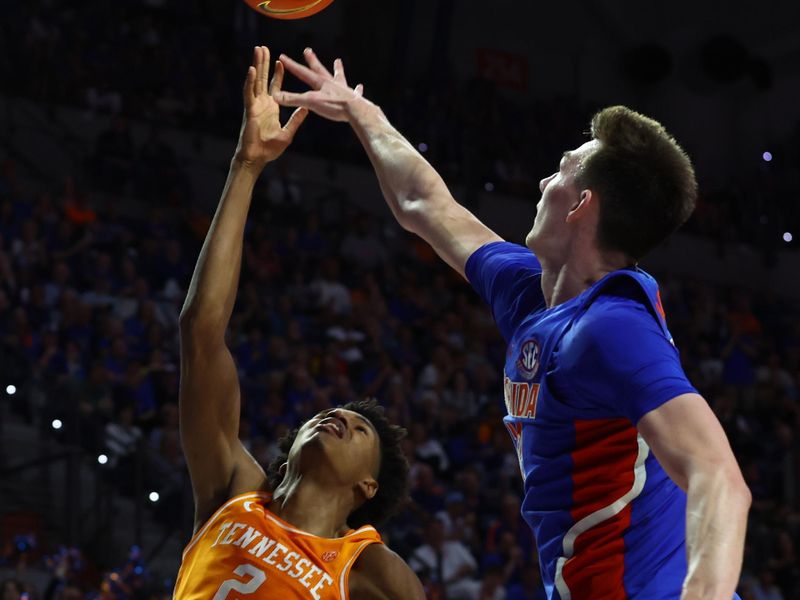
[[562, 281], [314, 507]]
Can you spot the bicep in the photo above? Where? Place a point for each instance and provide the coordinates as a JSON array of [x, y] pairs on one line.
[[686, 437], [451, 230], [209, 422]]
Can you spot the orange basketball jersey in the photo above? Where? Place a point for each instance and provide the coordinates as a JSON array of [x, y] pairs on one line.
[[246, 552]]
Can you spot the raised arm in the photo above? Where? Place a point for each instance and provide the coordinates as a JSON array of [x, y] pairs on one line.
[[691, 445], [219, 465], [413, 189]]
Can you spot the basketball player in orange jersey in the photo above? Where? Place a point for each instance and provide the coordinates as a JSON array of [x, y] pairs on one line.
[[289, 536]]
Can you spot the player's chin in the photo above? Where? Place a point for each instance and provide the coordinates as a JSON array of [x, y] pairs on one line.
[[324, 452], [530, 240]]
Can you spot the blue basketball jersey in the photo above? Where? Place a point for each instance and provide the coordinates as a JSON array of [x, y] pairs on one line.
[[608, 521]]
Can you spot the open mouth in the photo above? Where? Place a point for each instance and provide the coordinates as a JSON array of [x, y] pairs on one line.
[[333, 425]]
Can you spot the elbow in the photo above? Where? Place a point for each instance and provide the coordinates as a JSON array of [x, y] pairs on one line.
[[404, 212], [413, 214], [401, 216], [738, 490], [745, 494], [193, 322], [188, 318]]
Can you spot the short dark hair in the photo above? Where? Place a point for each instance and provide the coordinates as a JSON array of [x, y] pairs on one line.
[[645, 181], [392, 473]]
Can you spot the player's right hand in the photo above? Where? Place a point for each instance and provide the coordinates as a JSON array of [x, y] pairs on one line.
[[262, 139], [330, 95]]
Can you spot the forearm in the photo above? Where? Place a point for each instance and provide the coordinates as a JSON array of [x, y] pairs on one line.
[[212, 291], [716, 523], [409, 183]]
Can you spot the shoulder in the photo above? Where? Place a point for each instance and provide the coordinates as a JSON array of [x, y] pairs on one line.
[[502, 252], [380, 574]]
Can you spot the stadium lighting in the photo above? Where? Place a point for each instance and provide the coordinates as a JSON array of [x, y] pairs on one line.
[[787, 236], [767, 156], [11, 390], [423, 147], [154, 496], [56, 424], [488, 186], [102, 459]]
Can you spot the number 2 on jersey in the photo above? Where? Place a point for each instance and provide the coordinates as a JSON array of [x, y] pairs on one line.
[[257, 578]]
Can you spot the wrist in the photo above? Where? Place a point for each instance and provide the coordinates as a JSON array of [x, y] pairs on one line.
[[362, 111], [247, 166]]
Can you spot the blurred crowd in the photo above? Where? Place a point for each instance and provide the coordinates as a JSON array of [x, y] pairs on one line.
[[72, 577], [182, 65], [335, 305]]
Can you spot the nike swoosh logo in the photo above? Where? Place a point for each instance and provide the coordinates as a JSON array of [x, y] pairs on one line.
[[265, 6]]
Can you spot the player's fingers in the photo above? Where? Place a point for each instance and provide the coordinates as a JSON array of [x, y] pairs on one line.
[[315, 63], [338, 71], [249, 84], [359, 91], [292, 99], [302, 72], [263, 74], [277, 79], [294, 122], [257, 67]]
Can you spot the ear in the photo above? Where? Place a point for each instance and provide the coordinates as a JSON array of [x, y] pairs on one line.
[[368, 488], [586, 202]]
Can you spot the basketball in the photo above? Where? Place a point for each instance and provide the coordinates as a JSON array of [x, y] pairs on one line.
[[288, 9]]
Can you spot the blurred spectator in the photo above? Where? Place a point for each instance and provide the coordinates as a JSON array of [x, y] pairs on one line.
[[764, 588], [121, 439], [362, 246], [447, 563]]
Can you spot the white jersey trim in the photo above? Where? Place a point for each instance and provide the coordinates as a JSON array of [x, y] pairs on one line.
[[345, 593], [603, 514]]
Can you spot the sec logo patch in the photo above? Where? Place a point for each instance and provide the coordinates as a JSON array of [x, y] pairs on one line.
[[528, 361]]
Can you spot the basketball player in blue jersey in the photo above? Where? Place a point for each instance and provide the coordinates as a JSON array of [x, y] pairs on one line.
[[631, 487]]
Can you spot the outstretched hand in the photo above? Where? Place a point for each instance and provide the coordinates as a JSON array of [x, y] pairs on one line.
[[330, 94], [262, 139]]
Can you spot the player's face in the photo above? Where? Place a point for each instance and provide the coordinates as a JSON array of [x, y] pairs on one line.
[[560, 194], [341, 441]]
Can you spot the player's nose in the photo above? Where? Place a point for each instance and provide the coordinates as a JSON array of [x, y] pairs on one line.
[[343, 417]]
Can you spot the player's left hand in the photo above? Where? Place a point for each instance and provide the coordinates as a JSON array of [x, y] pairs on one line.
[[262, 139]]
